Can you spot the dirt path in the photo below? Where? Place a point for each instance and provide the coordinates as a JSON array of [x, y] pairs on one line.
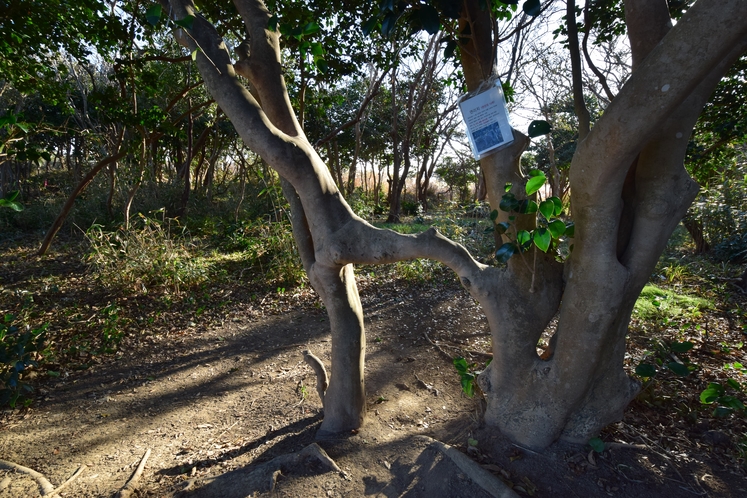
[[222, 399]]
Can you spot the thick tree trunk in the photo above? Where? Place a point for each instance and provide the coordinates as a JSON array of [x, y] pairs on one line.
[[580, 386], [533, 400]]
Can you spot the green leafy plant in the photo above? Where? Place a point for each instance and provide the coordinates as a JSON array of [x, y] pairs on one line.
[[112, 332], [9, 201], [19, 351], [468, 376], [597, 444], [550, 227], [669, 356], [150, 254], [724, 404], [269, 248]]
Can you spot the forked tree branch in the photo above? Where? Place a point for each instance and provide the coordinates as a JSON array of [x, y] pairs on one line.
[[674, 68]]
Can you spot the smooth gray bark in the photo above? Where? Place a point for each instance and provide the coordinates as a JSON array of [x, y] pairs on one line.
[[580, 386]]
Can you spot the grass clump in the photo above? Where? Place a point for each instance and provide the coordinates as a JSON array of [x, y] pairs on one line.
[[152, 254], [655, 303], [267, 250]]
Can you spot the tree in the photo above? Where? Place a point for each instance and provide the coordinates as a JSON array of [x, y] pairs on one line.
[[718, 140], [629, 191]]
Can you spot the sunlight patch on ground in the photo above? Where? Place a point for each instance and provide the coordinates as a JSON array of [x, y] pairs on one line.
[[655, 302]]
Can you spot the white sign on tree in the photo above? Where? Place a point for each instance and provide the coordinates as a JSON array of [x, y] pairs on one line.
[[486, 118]]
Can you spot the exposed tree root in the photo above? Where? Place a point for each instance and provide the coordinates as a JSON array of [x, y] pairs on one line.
[[440, 349], [47, 489], [129, 487], [439, 345], [477, 474], [322, 380], [261, 478]]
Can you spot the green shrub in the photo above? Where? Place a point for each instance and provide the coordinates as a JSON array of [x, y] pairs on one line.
[[270, 250], [152, 254], [19, 351], [733, 249]]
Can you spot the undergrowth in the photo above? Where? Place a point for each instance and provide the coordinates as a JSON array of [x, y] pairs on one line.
[[151, 254]]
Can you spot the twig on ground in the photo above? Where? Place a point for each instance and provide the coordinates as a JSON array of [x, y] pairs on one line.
[[129, 486], [617, 468], [615, 445], [65, 484], [672, 463], [437, 346], [232, 426], [527, 450]]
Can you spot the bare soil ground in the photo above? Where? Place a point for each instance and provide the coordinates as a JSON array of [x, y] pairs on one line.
[[215, 394]]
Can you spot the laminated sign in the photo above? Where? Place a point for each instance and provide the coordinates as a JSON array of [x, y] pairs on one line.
[[486, 118]]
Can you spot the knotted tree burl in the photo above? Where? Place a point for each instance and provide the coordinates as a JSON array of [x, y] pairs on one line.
[[629, 191]]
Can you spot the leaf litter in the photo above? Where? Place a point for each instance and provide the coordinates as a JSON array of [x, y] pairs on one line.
[[208, 380]]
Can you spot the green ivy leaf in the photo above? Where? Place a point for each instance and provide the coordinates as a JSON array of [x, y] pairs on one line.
[[310, 28], [186, 23], [461, 364], [711, 393], [304, 47], [547, 208], [596, 444], [537, 128], [493, 215], [504, 253], [731, 402], [272, 23], [502, 227], [542, 239], [153, 14], [467, 385], [681, 347], [317, 49], [535, 182], [15, 206], [678, 368], [507, 187], [645, 370], [557, 228], [322, 65], [508, 203], [523, 237], [558, 205], [734, 384], [570, 229], [429, 19], [532, 7], [721, 412], [531, 207]]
